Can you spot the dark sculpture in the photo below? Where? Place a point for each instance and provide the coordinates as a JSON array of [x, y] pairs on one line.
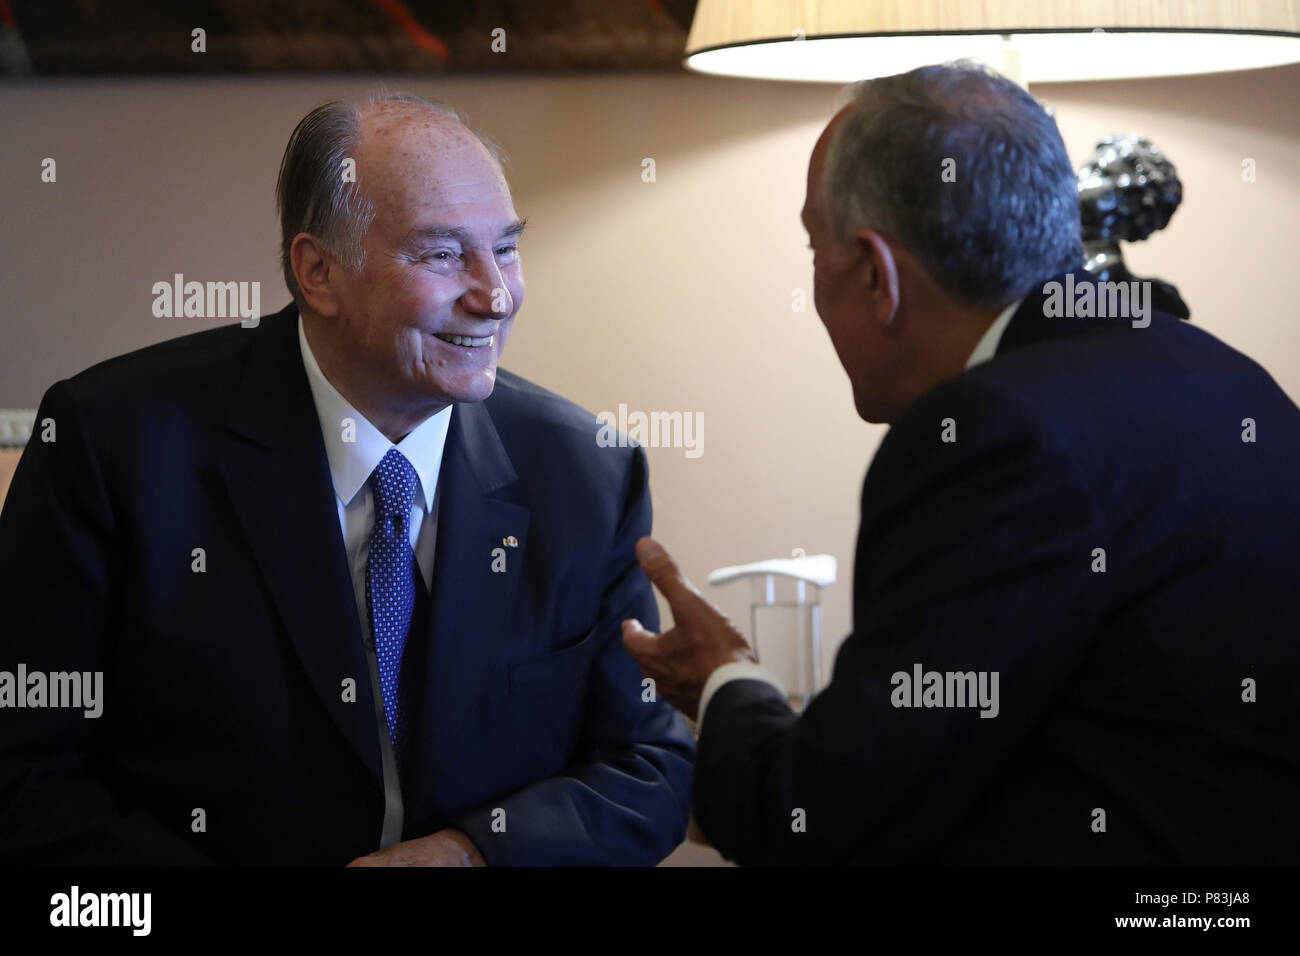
[[1128, 190]]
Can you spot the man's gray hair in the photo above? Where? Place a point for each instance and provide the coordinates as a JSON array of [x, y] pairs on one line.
[[966, 171], [313, 196]]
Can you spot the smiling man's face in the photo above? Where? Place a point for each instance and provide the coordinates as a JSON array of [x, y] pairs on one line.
[[424, 323]]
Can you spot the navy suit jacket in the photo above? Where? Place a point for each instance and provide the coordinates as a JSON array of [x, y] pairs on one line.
[[1126, 691], [224, 690]]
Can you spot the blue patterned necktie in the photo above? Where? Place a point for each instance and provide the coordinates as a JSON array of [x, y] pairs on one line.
[[390, 577]]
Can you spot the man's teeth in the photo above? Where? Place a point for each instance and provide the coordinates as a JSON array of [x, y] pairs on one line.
[[464, 340]]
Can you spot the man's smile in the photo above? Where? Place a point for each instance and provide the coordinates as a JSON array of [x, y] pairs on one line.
[[465, 341]]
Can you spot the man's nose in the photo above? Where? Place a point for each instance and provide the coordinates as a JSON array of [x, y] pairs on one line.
[[487, 294]]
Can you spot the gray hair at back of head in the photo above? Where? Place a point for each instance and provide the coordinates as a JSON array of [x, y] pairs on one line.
[[311, 193], [1010, 217]]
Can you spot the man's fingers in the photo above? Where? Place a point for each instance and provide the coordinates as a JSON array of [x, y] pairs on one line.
[[637, 641], [662, 570]]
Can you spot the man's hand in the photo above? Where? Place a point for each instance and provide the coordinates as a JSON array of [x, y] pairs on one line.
[[444, 848], [702, 639]]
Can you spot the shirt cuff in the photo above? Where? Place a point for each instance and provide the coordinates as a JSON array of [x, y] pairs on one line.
[[736, 670]]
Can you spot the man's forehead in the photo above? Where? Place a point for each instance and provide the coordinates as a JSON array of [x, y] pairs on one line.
[[416, 161], [824, 140], [816, 164], [398, 112], [412, 133], [817, 160], [439, 211]]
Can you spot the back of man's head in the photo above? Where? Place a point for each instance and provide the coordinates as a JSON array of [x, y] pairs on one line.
[[966, 171]]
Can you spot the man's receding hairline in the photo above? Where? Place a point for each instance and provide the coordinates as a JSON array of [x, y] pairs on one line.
[[459, 130], [453, 132], [367, 107]]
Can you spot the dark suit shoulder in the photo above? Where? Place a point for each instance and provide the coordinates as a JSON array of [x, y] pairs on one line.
[[1093, 363], [556, 447], [189, 364], [516, 397], [1099, 388], [171, 394], [525, 412]]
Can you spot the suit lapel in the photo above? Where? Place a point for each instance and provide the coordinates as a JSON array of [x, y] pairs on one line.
[[470, 602], [277, 475]]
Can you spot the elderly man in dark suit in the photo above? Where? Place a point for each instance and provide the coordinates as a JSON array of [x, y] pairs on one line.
[[355, 595], [1075, 630]]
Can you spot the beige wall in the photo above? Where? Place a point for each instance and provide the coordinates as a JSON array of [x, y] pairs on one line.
[[674, 295]]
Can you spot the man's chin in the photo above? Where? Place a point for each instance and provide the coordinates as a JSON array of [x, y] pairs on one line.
[[871, 411], [470, 390]]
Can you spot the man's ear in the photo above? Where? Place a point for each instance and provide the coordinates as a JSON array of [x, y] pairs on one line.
[[879, 272], [315, 271]]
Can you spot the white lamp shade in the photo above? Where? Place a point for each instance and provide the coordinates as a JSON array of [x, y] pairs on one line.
[[839, 41]]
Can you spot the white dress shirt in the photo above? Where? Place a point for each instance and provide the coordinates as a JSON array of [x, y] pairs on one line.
[[987, 346], [984, 350], [354, 448], [352, 462]]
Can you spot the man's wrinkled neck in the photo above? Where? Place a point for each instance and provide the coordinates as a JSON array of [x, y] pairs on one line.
[[393, 423]]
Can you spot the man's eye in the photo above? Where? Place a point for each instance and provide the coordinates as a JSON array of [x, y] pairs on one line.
[[442, 255], [508, 251]]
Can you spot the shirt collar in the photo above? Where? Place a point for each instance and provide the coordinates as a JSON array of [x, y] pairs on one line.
[[987, 346], [352, 462]]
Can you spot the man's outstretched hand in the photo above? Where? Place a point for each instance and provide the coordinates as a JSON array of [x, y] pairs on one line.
[[702, 639], [444, 848]]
